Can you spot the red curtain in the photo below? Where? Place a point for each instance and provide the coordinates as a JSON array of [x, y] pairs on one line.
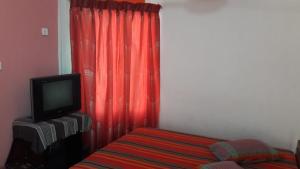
[[115, 47]]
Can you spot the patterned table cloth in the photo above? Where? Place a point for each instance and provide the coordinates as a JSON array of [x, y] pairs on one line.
[[43, 134]]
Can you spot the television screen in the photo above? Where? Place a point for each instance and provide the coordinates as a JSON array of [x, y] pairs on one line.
[[55, 96]]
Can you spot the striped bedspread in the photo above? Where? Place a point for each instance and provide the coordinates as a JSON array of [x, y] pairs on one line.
[[146, 148]]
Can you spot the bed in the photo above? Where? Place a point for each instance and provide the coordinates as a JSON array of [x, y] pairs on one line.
[[146, 148]]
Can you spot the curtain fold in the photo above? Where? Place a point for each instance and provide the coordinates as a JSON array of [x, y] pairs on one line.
[[115, 47]]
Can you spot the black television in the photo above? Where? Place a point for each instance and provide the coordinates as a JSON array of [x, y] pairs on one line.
[[55, 96]]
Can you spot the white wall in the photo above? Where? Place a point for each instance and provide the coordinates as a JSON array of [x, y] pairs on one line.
[[64, 44], [231, 68]]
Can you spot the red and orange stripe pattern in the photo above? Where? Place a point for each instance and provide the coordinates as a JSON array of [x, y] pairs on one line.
[[146, 148]]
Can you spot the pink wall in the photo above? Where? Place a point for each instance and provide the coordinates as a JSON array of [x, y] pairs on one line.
[[25, 54]]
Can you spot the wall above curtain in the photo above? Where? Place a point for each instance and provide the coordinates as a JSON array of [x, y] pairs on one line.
[[133, 1]]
